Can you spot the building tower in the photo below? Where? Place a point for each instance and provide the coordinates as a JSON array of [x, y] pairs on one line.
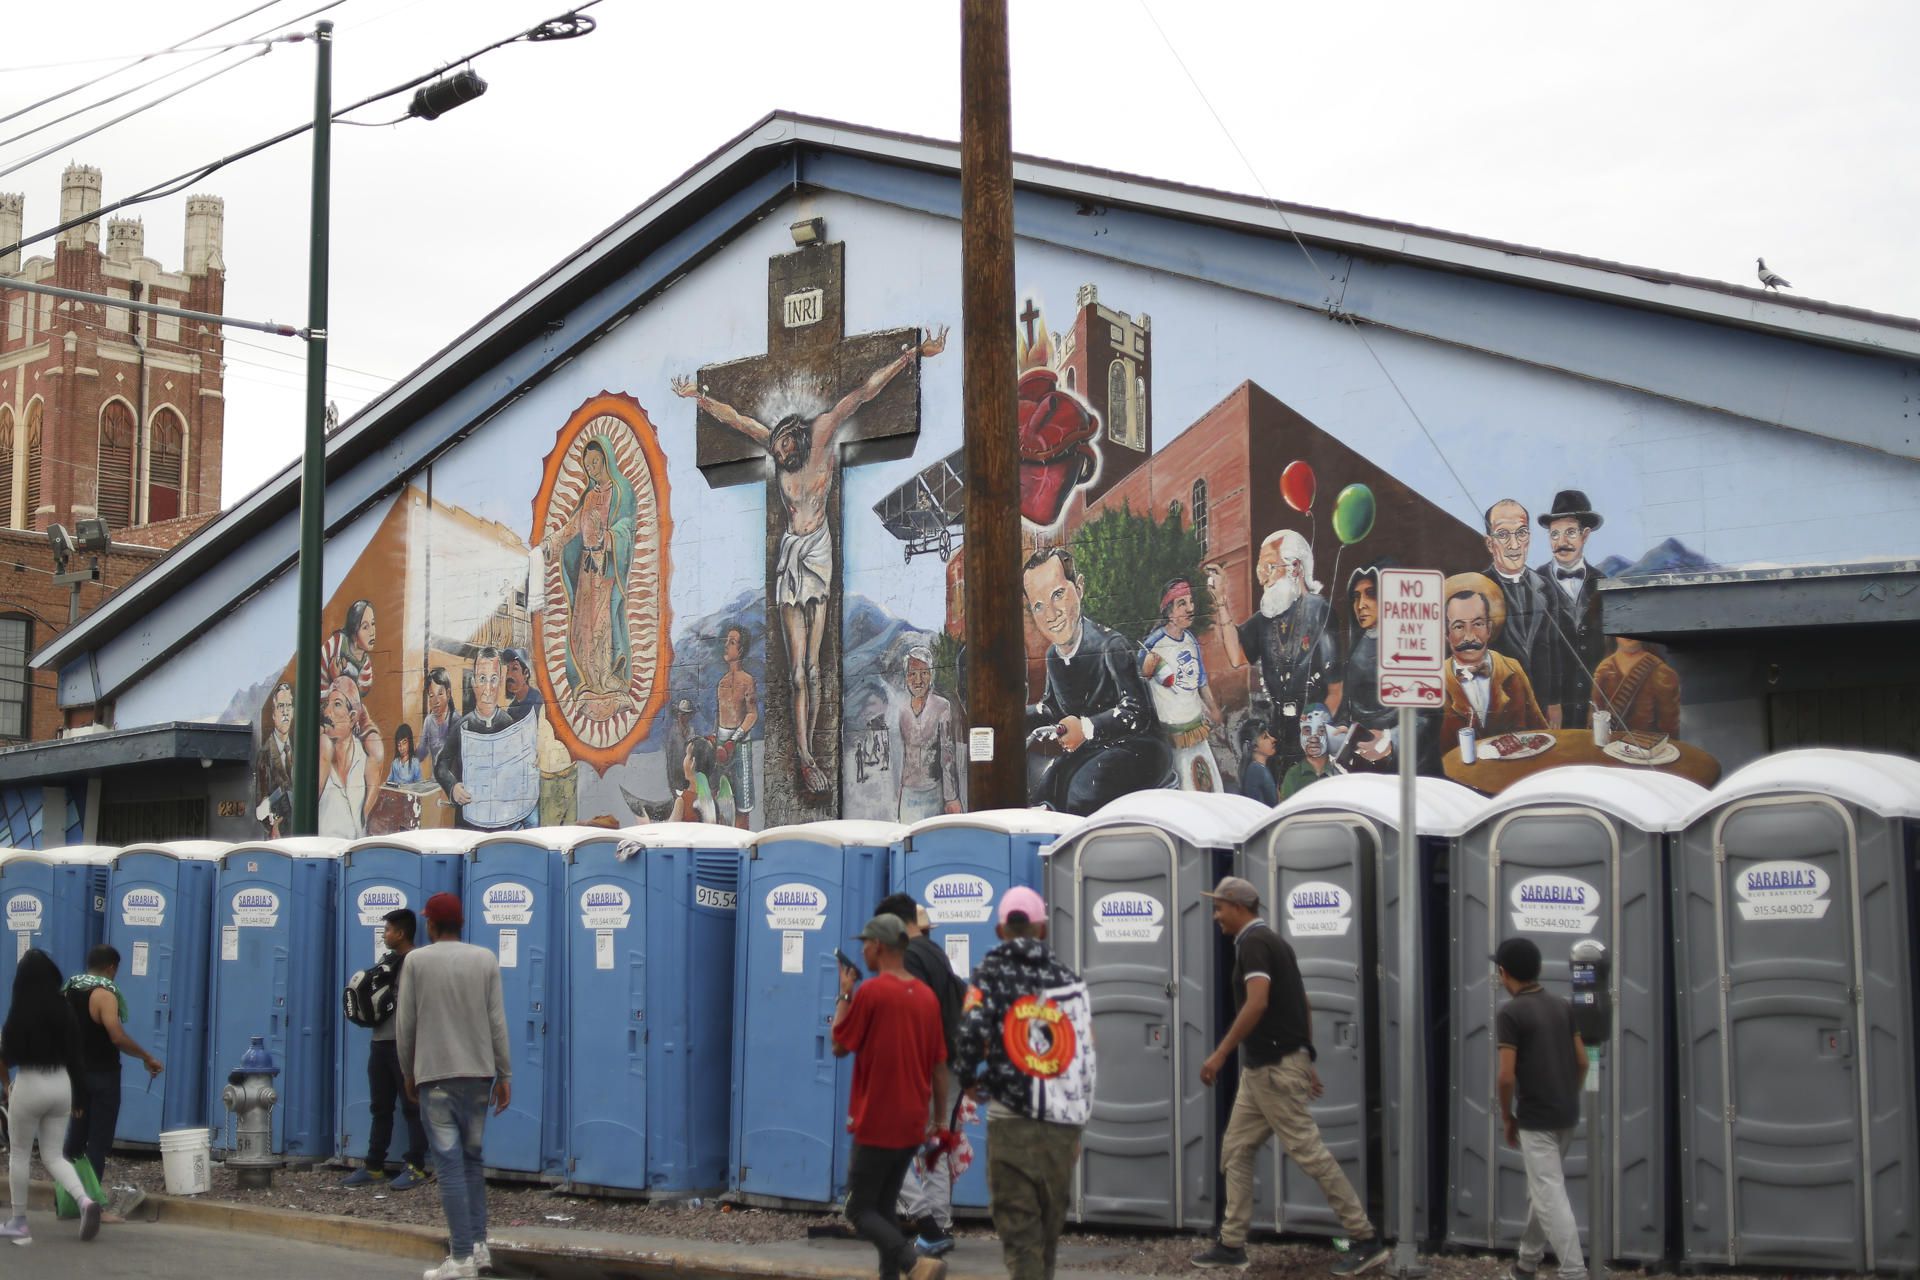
[[1107, 358], [106, 412]]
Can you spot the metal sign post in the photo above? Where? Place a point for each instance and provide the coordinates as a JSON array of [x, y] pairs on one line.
[[1412, 647]]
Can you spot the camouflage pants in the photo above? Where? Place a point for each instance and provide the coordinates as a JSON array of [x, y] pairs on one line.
[[1029, 1172]]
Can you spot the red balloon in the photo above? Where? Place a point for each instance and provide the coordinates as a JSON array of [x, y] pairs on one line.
[[1296, 486]]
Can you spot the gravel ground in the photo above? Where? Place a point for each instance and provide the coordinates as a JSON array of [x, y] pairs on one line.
[[521, 1205]]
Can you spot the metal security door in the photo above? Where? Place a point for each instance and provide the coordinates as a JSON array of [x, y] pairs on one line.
[[1128, 945], [792, 917], [1314, 882], [1554, 878], [1791, 1064]]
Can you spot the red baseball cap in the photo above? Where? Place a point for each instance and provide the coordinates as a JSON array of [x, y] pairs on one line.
[[444, 909]]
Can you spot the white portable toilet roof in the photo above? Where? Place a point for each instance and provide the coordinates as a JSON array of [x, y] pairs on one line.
[[193, 850], [838, 832], [684, 835], [425, 840], [1441, 808], [93, 855], [1884, 784], [295, 846], [559, 839], [1650, 801], [1204, 819], [1012, 822]]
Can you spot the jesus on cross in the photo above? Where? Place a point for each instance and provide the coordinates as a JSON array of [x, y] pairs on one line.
[[806, 462]]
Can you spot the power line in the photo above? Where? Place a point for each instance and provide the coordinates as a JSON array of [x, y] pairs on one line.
[[565, 26], [383, 379], [147, 57]]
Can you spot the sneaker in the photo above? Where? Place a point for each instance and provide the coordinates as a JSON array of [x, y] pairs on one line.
[[16, 1231], [1222, 1255], [89, 1219], [408, 1178], [934, 1240], [928, 1269], [363, 1177], [452, 1269], [482, 1256], [1364, 1256]]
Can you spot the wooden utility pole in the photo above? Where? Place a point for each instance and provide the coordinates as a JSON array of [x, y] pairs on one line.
[[996, 647]]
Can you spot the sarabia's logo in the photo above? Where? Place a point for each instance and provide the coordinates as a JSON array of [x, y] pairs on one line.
[[382, 897], [1554, 893], [1128, 908], [958, 891], [605, 897], [797, 897], [508, 895], [142, 900], [22, 905], [255, 900]]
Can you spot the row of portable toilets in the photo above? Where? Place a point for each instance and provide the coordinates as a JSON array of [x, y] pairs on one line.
[[669, 1010]]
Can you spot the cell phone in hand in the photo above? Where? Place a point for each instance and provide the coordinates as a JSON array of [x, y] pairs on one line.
[[845, 963]]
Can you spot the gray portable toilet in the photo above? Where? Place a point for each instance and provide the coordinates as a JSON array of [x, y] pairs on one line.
[[1794, 899], [1124, 912], [1327, 864], [1569, 853]]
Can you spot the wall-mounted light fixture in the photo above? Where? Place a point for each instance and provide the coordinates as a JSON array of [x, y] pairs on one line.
[[809, 231]]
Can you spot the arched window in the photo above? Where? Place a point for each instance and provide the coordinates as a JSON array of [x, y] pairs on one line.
[[1199, 507], [115, 486], [1071, 383], [6, 467], [167, 450], [1117, 383], [31, 507]]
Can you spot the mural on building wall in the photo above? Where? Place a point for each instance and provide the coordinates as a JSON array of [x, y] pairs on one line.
[[1203, 607]]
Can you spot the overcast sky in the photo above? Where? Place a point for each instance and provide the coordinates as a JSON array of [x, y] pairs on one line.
[[1689, 137]]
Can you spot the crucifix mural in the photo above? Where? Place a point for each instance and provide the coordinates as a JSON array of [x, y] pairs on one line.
[[806, 405]]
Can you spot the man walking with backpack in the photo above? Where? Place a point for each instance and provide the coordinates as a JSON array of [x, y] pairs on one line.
[[1543, 1065], [453, 1052], [374, 994], [1027, 1040], [926, 1197]]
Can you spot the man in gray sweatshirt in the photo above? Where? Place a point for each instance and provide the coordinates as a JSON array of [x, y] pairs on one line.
[[452, 1029]]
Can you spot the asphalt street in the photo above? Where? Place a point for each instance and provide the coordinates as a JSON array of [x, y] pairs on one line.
[[139, 1251]]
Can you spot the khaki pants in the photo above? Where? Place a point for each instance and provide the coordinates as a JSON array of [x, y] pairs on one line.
[[1029, 1176], [1549, 1212], [1273, 1101]]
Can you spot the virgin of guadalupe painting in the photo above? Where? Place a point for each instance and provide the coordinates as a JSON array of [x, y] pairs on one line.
[[601, 524]]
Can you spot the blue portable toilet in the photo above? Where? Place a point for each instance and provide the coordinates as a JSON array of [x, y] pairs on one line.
[[379, 874], [516, 908], [56, 900], [650, 922], [160, 920], [805, 890], [957, 866], [272, 976]]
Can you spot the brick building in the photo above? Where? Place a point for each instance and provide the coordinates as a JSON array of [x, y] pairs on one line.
[[104, 412]]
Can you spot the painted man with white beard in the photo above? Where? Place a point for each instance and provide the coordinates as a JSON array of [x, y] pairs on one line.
[[1291, 636]]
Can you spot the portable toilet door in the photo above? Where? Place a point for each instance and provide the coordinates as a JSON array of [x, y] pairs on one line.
[[1124, 912], [1327, 865], [272, 977], [160, 920], [806, 890], [1794, 913], [1568, 854], [379, 874], [516, 908], [958, 866], [650, 917], [56, 900]]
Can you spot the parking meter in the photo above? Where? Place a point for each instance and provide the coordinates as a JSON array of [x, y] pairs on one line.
[[1592, 991]]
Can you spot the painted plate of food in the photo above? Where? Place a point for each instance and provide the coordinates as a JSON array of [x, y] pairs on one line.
[[1516, 746]]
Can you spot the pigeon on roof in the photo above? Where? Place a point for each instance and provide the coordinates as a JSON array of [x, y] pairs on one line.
[[1770, 278]]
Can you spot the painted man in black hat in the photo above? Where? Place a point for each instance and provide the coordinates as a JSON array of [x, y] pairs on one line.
[[1573, 588]]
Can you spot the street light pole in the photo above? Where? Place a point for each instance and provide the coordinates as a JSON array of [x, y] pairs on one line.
[[313, 469]]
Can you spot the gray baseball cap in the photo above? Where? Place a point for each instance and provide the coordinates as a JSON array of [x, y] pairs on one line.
[[1240, 893], [889, 931]]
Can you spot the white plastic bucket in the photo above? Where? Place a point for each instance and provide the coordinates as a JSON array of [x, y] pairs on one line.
[[184, 1160]]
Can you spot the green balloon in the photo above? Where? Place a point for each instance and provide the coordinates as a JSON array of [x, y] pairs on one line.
[[1353, 514]]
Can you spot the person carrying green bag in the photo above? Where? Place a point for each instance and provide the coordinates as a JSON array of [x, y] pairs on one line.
[[41, 1037], [101, 1012]]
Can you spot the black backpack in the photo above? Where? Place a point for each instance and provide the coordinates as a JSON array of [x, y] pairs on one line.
[[373, 993]]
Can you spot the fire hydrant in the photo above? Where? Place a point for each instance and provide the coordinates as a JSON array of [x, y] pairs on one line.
[[250, 1096]]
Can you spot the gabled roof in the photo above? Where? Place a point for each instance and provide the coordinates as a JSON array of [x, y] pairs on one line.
[[536, 331]]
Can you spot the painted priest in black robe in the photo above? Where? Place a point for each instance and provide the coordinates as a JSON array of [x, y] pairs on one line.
[[1093, 735]]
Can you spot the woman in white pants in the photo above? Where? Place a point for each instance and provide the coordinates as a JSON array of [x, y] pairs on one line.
[[42, 1040]]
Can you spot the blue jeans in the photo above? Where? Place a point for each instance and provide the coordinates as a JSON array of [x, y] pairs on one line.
[[455, 1112]]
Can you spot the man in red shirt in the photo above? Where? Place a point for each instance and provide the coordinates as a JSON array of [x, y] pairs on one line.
[[892, 1027]]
